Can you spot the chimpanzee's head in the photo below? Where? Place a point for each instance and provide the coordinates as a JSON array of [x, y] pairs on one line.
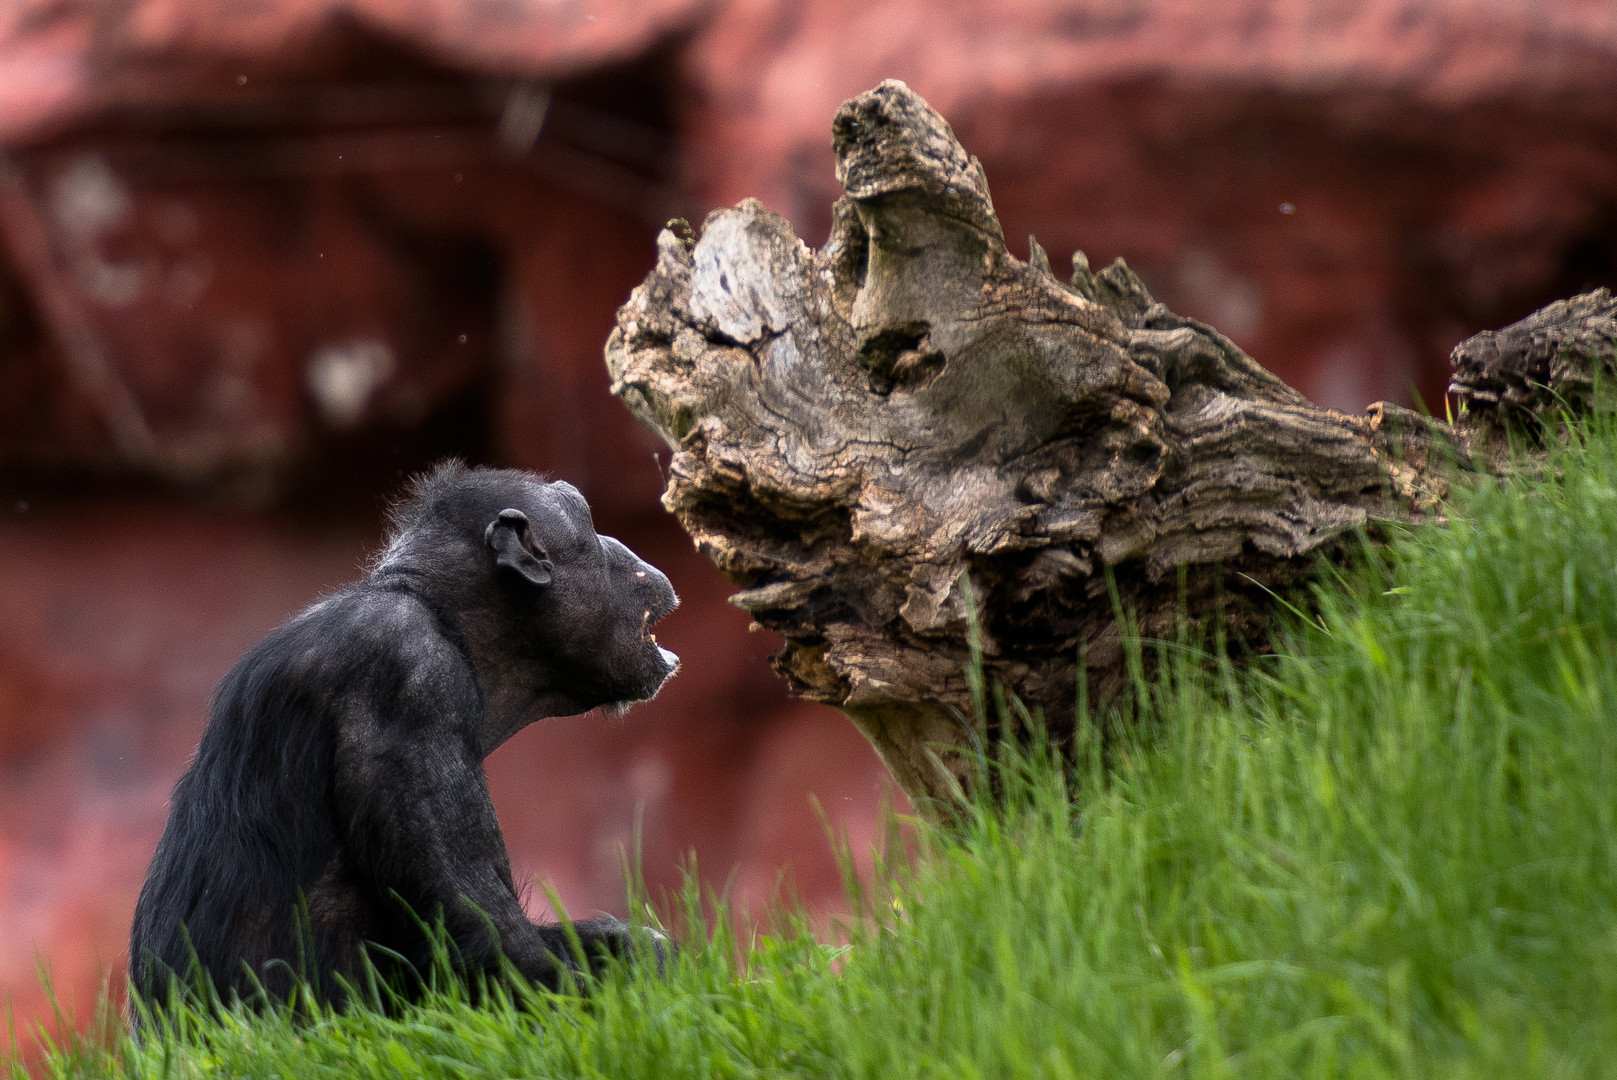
[[557, 618]]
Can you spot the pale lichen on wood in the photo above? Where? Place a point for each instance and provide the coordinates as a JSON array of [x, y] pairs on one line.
[[856, 427]]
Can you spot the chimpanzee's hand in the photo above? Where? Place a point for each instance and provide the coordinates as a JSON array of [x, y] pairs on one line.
[[616, 938]]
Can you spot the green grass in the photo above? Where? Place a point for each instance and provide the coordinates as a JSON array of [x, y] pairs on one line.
[[1389, 850]]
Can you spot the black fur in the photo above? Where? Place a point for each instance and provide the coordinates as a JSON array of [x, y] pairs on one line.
[[338, 791]]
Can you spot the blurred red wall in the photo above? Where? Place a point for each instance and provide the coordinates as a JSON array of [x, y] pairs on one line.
[[261, 261]]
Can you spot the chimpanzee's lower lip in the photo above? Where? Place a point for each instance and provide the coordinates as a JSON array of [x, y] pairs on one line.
[[670, 664]]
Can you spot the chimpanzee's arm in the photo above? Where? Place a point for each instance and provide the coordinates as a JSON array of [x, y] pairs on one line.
[[414, 818]]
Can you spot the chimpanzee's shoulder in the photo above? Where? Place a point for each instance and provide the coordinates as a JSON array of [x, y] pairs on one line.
[[366, 627]]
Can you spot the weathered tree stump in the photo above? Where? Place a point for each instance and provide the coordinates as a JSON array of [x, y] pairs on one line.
[[855, 427]]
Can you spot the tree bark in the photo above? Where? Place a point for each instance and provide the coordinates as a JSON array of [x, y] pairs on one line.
[[862, 431]]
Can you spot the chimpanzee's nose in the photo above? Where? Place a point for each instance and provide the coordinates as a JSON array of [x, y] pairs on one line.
[[651, 583], [663, 598]]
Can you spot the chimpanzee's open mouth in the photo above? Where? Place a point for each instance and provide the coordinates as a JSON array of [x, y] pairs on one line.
[[666, 660], [670, 661], [669, 658]]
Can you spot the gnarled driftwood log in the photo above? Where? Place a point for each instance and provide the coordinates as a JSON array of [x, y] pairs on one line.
[[855, 427]]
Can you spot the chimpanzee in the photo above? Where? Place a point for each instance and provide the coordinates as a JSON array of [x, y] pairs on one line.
[[338, 797]]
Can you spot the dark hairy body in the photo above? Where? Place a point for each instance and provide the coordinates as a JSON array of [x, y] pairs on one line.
[[338, 797]]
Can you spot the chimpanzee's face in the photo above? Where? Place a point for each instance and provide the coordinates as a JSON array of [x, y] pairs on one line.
[[586, 601]]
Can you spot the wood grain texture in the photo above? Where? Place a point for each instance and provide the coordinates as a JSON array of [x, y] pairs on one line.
[[861, 431]]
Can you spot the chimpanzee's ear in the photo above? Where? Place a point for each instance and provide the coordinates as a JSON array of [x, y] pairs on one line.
[[509, 537]]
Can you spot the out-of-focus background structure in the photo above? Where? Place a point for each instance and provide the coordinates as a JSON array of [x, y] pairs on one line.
[[260, 261]]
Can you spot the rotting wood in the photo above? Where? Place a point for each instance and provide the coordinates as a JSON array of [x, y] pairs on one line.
[[855, 427]]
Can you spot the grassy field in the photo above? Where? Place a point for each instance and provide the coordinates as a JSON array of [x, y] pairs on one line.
[[1389, 850]]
